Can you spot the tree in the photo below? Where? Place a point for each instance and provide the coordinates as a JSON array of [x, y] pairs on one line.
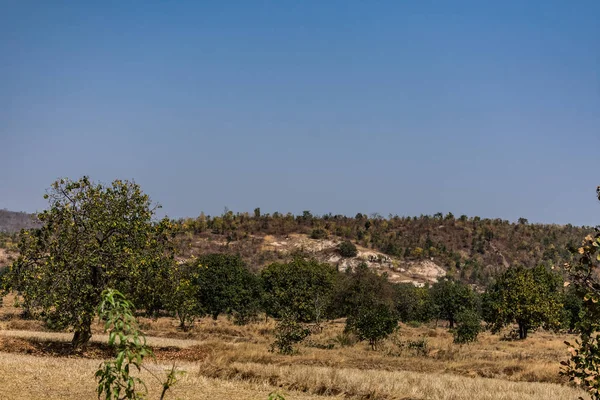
[[93, 237], [528, 297], [469, 326], [360, 287], [373, 322], [226, 286], [182, 299], [319, 233], [300, 288], [414, 303], [452, 297], [583, 367], [347, 249], [367, 300]]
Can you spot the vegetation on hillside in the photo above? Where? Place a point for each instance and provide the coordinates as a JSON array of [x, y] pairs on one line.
[[471, 249]]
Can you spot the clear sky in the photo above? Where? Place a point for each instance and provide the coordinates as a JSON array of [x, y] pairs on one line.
[[488, 108]]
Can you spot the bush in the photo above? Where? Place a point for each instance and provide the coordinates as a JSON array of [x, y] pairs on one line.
[[347, 249], [469, 326], [319, 233], [373, 323], [345, 339], [288, 333]]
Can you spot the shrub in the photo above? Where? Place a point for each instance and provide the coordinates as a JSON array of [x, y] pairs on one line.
[[288, 333], [115, 379], [347, 249], [469, 326], [345, 339], [319, 233], [419, 346]]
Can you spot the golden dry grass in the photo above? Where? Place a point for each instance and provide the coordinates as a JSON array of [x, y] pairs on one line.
[[24, 377]]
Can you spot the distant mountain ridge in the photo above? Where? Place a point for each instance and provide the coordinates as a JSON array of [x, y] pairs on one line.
[[14, 221]]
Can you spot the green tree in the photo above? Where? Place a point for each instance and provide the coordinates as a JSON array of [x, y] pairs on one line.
[[469, 326], [300, 288], [93, 237], [373, 322], [226, 286], [414, 303], [452, 297], [367, 300], [573, 308], [528, 297], [182, 299], [359, 287], [583, 367], [347, 249]]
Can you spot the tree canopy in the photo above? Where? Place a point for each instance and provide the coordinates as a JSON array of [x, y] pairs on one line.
[[92, 237], [528, 297]]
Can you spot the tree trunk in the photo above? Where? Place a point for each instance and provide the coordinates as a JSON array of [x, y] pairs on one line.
[[451, 321], [522, 331], [83, 333]]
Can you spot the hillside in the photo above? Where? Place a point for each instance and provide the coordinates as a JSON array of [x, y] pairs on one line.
[[11, 221], [417, 249], [409, 249]]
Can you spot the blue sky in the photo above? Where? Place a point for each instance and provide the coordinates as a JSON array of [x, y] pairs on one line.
[[403, 107]]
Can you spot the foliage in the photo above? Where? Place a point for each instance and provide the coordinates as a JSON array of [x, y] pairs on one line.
[[115, 378], [419, 346], [373, 322], [301, 287], [475, 247], [527, 296], [452, 297], [358, 288], [93, 237], [345, 339], [469, 326], [572, 308], [225, 285], [414, 304], [583, 367], [183, 294], [347, 249], [319, 233], [288, 333]]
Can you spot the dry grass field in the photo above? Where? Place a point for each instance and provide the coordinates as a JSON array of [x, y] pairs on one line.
[[223, 360]]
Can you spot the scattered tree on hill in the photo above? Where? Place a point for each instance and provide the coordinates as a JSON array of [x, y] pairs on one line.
[[319, 233], [347, 249], [528, 297], [93, 237]]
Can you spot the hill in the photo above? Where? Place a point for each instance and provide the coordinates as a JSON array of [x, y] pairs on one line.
[[417, 249], [409, 249], [12, 221]]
